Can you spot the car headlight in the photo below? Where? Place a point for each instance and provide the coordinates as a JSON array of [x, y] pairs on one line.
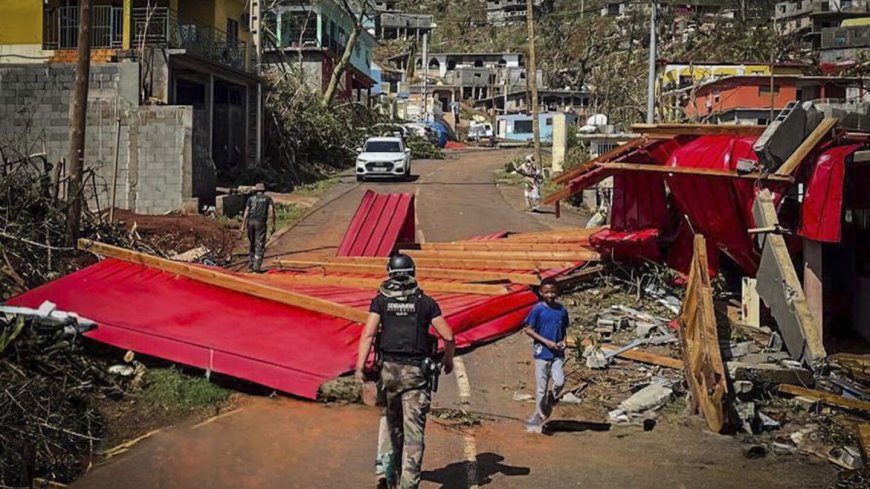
[[399, 161]]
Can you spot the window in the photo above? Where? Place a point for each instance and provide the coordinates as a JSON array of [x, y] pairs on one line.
[[522, 127], [761, 121], [765, 89], [383, 147], [548, 121], [716, 95], [232, 32]]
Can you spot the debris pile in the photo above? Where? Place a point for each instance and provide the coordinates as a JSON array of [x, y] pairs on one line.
[[635, 354], [49, 423]]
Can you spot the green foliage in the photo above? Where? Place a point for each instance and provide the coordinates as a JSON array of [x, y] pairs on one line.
[[286, 214], [10, 330], [422, 149], [170, 388], [306, 138]]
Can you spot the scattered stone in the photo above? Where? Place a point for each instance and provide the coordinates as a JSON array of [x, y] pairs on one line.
[[570, 398], [649, 398], [743, 386], [847, 457], [523, 397]]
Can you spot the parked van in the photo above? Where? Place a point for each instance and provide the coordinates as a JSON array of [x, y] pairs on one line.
[[480, 130]]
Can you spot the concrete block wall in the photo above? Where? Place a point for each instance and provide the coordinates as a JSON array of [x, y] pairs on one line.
[[160, 160]]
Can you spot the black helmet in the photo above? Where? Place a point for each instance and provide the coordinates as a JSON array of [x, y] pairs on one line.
[[400, 264]]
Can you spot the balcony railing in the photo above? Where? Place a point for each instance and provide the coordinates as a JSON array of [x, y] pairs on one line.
[[61, 27], [163, 27]]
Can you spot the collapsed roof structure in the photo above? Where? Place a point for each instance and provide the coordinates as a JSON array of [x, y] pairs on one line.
[[774, 202]]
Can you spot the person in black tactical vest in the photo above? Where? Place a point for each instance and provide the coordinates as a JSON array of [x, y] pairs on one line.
[[258, 209], [400, 317]]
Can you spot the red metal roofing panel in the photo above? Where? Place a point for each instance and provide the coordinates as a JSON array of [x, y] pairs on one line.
[[639, 201], [208, 327], [380, 222], [822, 209]]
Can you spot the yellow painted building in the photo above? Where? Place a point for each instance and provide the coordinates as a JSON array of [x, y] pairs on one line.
[[676, 76], [34, 30]]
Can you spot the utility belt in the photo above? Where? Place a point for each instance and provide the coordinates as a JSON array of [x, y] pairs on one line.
[[430, 367]]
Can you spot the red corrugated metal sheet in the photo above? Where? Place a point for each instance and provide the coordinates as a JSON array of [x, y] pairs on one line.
[[283, 347], [381, 221], [639, 202], [627, 245], [822, 210]]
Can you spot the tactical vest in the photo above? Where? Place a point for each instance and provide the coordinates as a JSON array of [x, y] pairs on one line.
[[258, 207], [402, 335]]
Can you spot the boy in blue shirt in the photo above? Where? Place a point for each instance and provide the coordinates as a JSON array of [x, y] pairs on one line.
[[547, 324]]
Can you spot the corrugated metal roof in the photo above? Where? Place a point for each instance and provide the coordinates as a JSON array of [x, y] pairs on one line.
[[381, 221]]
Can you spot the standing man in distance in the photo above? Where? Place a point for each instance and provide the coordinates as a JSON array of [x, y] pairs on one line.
[[401, 315], [258, 209]]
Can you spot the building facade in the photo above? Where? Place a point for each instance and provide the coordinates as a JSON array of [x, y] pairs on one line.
[[806, 19], [753, 99], [166, 69], [319, 33]]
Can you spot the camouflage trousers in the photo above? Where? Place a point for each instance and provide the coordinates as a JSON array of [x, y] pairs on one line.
[[408, 397]]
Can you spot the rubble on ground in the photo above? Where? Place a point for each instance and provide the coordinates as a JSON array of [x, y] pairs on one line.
[[619, 313]]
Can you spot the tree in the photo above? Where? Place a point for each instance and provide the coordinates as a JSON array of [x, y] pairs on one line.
[[341, 66]]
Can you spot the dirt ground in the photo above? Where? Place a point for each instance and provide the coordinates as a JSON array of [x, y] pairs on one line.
[[179, 233]]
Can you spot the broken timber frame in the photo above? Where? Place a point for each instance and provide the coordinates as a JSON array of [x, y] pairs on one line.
[[470, 263], [614, 153], [705, 372], [704, 172], [781, 290], [822, 131], [826, 397], [422, 272], [226, 280], [698, 129], [375, 283], [501, 245], [580, 254]]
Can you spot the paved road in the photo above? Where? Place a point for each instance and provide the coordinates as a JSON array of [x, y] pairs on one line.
[[295, 444]]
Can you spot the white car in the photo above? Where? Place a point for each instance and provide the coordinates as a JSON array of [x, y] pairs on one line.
[[383, 157]]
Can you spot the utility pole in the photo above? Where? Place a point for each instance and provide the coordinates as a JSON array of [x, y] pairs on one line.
[[78, 111], [424, 68], [582, 8], [532, 76], [651, 80]]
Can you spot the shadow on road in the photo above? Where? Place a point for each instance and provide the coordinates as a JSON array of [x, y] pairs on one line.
[[573, 426], [456, 475]]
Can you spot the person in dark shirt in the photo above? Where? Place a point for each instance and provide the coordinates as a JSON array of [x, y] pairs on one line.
[[400, 317], [258, 209], [547, 324]]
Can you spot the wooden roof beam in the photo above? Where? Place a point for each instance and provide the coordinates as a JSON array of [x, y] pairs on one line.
[[422, 272], [700, 129], [821, 132], [580, 254], [702, 172], [375, 283], [225, 280]]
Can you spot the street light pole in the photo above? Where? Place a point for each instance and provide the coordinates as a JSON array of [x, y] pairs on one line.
[[424, 67]]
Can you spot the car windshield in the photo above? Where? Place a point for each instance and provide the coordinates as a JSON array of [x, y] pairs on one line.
[[383, 147]]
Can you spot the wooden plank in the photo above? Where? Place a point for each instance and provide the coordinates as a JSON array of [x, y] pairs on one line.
[[705, 372], [703, 172], [473, 263], [700, 129], [863, 435], [226, 280], [825, 397], [422, 272], [614, 153], [635, 355], [375, 283], [555, 236], [503, 245], [578, 255], [821, 132], [647, 357]]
